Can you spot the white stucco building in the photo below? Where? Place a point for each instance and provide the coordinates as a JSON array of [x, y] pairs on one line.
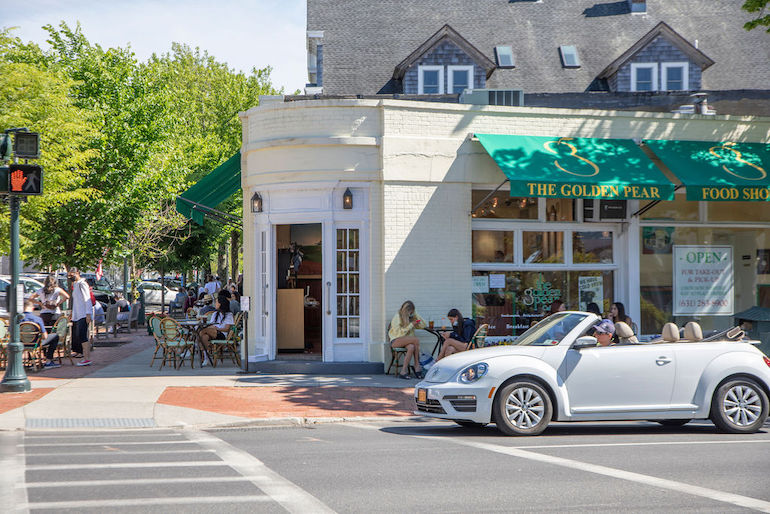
[[426, 226]]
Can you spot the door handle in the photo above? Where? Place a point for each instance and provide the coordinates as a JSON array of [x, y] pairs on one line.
[[328, 298], [662, 360]]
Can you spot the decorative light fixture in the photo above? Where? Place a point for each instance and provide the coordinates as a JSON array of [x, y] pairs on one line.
[[256, 203], [347, 199]]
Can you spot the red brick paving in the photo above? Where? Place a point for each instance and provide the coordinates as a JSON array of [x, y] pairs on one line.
[[279, 401], [9, 401]]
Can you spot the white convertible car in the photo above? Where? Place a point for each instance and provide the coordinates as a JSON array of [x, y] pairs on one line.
[[555, 372]]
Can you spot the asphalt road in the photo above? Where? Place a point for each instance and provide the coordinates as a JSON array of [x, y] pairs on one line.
[[406, 466]]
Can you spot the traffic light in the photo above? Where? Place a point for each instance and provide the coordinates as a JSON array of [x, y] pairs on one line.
[[25, 179], [27, 145]]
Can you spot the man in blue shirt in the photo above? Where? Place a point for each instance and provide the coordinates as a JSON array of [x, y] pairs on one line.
[[49, 342]]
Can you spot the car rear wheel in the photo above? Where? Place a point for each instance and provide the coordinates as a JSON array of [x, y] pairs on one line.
[[469, 424], [522, 408], [739, 406]]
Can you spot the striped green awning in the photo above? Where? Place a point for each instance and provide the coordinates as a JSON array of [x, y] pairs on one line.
[[213, 189], [714, 171], [580, 167]]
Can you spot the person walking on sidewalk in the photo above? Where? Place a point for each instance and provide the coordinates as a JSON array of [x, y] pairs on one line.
[[48, 342], [82, 314], [402, 335]]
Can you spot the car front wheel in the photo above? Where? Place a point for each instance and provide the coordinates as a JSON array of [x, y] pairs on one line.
[[739, 406], [522, 408]]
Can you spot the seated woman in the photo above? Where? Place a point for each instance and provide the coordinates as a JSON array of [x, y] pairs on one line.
[[221, 322], [402, 335], [461, 335], [123, 307]]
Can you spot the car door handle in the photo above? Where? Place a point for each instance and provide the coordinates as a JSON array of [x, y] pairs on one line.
[[662, 360]]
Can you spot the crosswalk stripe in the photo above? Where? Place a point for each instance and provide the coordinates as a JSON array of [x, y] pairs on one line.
[[119, 465], [289, 495], [115, 451], [187, 500], [140, 481], [104, 443]]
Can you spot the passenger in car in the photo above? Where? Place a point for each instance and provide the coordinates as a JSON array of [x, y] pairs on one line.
[[604, 331], [458, 339]]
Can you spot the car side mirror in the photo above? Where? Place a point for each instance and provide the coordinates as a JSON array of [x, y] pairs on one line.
[[585, 342]]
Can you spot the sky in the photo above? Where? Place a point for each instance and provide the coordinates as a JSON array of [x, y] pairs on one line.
[[242, 33]]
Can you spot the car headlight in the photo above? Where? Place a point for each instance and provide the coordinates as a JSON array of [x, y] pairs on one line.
[[473, 373]]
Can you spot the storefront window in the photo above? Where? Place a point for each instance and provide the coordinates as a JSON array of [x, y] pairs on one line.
[[502, 205], [680, 209], [592, 247], [543, 247], [745, 267], [560, 209], [510, 302], [492, 246], [739, 211]]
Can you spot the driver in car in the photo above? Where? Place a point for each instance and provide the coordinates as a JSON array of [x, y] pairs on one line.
[[603, 332]]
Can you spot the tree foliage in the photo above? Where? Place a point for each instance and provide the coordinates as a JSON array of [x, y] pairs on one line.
[[120, 140], [759, 9]]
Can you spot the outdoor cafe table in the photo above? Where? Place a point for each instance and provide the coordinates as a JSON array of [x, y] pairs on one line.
[[436, 331], [193, 328]]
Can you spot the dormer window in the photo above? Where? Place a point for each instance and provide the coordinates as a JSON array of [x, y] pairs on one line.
[[504, 56], [460, 79], [430, 80], [569, 56], [644, 76], [674, 76]]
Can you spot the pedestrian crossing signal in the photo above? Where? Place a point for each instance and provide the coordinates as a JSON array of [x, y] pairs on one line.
[[25, 179]]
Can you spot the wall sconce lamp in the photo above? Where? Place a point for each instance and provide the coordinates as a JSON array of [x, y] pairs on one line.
[[256, 203], [347, 199]]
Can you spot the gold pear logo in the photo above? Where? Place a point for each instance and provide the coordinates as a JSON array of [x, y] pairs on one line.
[[573, 153], [729, 146]]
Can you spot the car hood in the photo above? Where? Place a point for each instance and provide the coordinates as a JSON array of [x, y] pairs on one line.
[[449, 366]]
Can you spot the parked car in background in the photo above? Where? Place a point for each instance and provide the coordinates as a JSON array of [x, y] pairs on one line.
[[30, 286], [153, 292], [556, 372], [101, 287]]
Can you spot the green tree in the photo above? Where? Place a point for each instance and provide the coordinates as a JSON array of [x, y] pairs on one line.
[[40, 100], [759, 8]]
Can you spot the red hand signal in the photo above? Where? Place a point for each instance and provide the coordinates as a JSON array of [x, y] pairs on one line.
[[17, 180]]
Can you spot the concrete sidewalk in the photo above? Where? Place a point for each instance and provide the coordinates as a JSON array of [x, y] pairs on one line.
[[128, 393]]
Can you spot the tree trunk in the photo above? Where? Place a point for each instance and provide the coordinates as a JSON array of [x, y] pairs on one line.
[[234, 247], [222, 262]]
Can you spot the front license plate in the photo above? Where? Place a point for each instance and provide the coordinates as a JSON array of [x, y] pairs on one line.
[[422, 395]]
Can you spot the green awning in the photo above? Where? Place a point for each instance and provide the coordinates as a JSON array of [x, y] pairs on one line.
[[580, 167], [718, 171], [211, 190]]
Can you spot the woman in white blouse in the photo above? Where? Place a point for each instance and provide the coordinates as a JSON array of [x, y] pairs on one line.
[[221, 321], [50, 297]]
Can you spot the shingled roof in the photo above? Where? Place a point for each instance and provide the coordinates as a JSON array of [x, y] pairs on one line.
[[364, 42]]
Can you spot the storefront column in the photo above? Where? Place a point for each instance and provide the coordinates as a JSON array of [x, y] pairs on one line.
[[630, 272]]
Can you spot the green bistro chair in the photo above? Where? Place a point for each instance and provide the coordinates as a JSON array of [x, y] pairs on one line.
[[64, 348], [231, 343], [173, 342], [30, 336], [478, 339], [153, 326]]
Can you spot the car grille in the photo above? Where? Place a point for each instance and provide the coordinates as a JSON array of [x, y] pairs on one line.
[[432, 406], [462, 403]]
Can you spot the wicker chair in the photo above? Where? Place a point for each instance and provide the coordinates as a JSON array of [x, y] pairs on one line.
[[30, 336], [231, 343], [64, 349], [478, 339]]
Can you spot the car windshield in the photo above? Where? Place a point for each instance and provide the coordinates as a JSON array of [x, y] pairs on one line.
[[551, 330]]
